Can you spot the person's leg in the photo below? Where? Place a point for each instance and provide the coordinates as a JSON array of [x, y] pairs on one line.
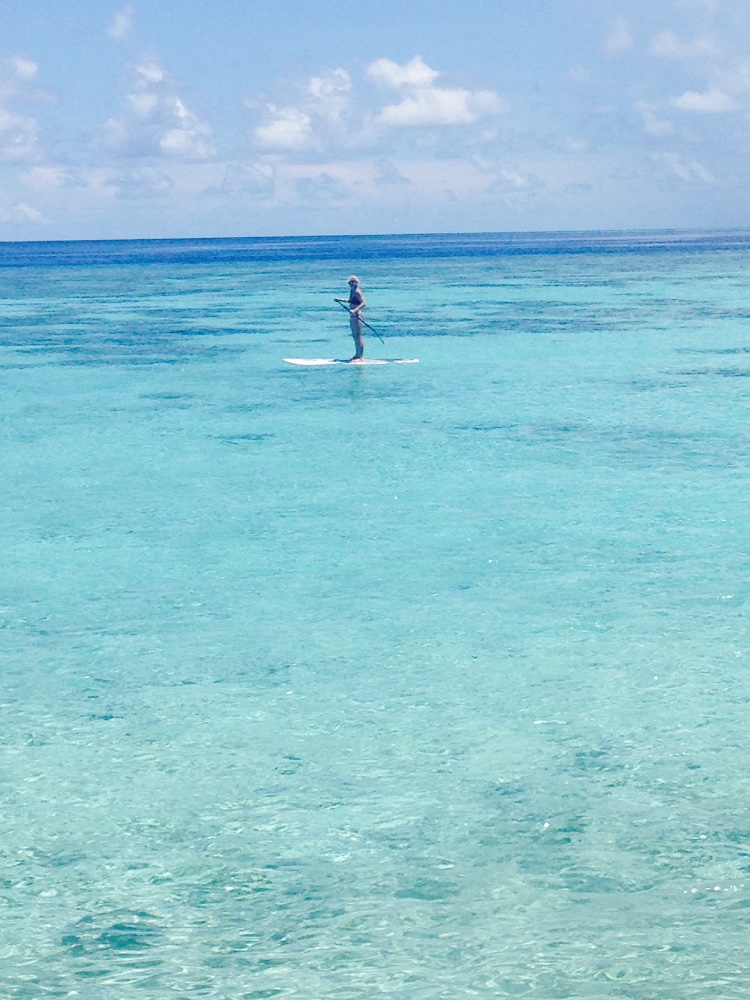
[[359, 344]]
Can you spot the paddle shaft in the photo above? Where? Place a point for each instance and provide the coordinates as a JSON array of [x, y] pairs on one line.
[[343, 305]]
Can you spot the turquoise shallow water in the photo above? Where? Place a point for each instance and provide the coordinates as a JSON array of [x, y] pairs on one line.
[[410, 681]]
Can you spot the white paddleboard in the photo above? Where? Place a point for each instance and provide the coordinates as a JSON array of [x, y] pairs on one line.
[[320, 362]]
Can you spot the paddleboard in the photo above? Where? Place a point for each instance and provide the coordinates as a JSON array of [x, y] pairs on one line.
[[320, 362]]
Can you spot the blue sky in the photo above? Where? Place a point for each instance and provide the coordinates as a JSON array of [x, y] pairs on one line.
[[162, 118]]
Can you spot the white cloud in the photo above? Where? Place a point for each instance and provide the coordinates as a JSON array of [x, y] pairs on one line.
[[122, 23], [325, 116], [713, 101], [19, 133], [330, 94], [46, 179], [151, 72], [143, 104], [315, 120], [23, 69], [415, 73], [18, 137], [157, 122], [436, 106], [333, 85], [140, 182], [669, 46], [187, 136], [289, 129], [426, 104], [619, 38]]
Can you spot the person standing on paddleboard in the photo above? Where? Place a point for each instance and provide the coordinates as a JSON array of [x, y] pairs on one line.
[[356, 319]]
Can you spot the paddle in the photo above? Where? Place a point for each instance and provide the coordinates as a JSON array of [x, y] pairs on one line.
[[342, 303]]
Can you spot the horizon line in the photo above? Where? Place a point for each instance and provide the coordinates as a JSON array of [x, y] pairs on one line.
[[676, 231]]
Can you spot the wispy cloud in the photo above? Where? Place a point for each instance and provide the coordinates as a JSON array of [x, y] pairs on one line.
[[654, 124], [314, 121], [21, 212], [712, 101], [145, 182], [19, 133], [689, 171], [619, 38], [157, 121], [669, 46], [121, 24], [16, 74], [19, 139], [46, 179], [253, 180]]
